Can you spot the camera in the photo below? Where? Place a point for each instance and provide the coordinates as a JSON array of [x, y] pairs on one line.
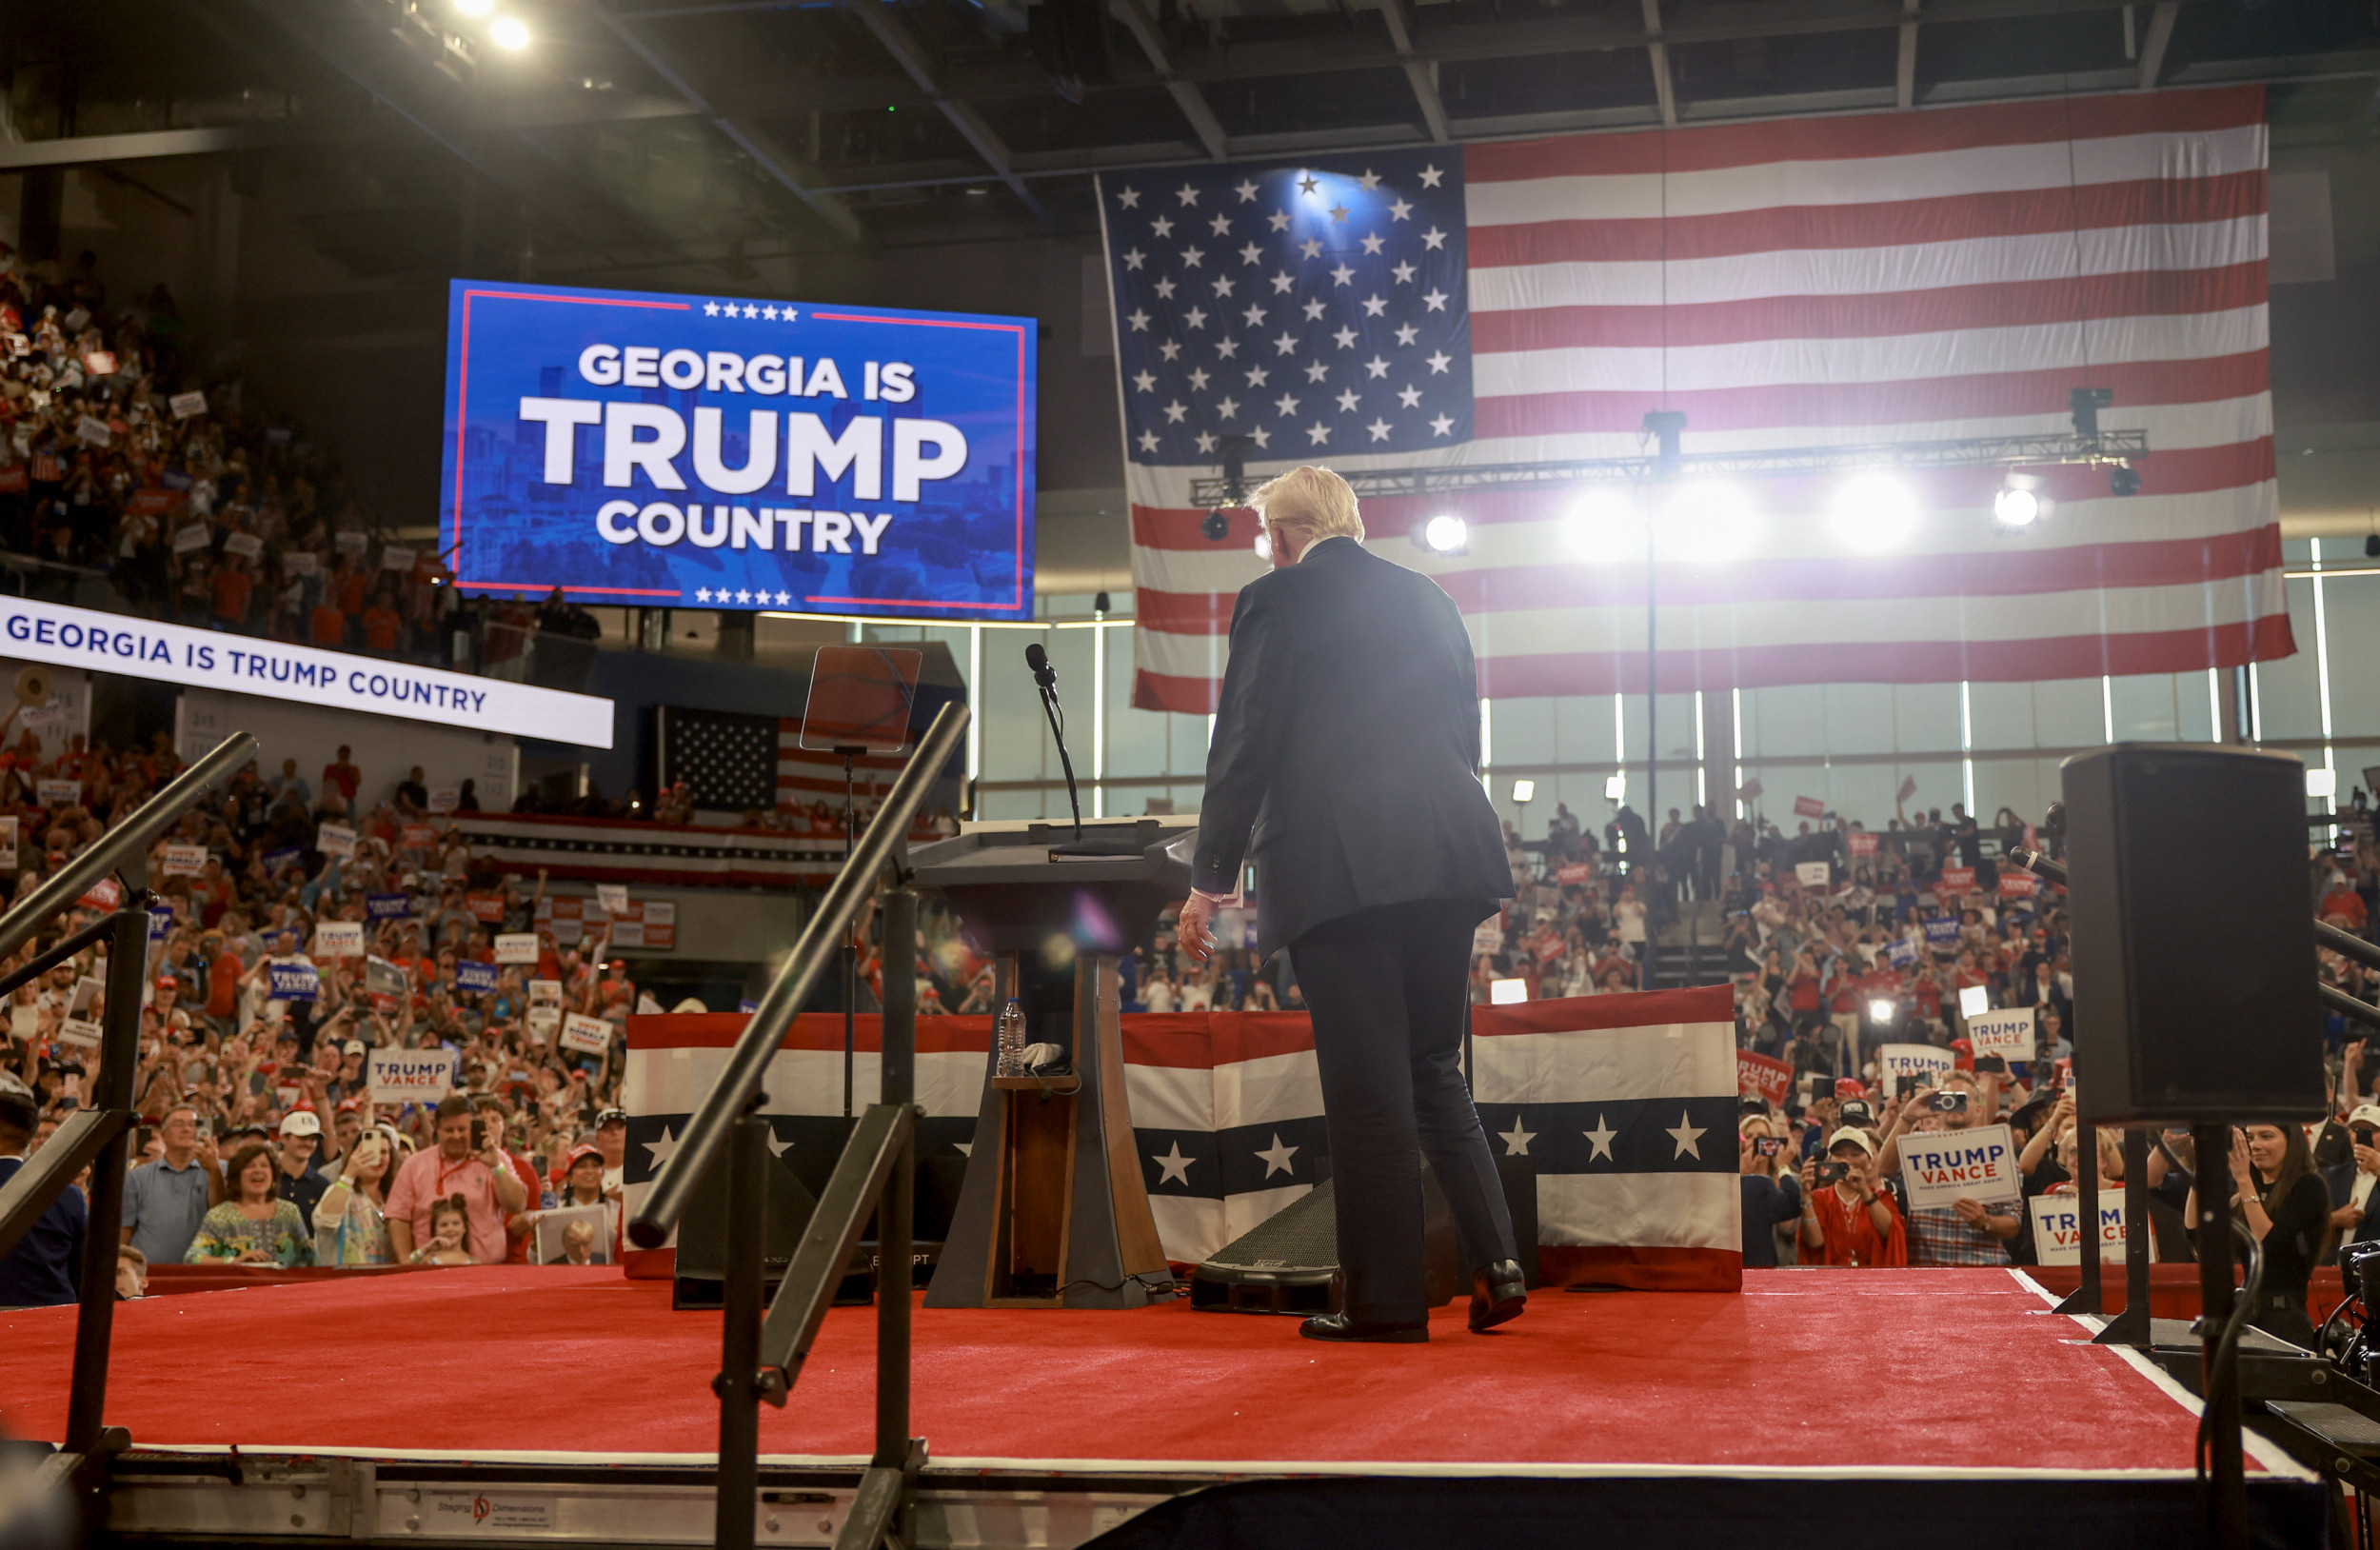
[[1833, 1173], [1947, 1102], [1765, 1145]]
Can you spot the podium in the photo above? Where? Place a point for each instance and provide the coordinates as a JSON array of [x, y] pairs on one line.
[[1055, 1212]]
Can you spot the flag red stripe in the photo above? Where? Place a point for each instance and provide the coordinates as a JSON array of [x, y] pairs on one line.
[[1641, 1269], [1992, 395], [1860, 137], [1945, 218], [1893, 662], [1596, 1014], [1172, 692], [2014, 304]]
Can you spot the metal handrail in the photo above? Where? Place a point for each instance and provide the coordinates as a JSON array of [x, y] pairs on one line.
[[818, 947], [133, 837]]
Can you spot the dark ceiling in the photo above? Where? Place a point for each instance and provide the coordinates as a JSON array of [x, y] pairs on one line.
[[633, 134]]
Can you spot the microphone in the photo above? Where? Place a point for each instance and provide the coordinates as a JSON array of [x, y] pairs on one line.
[[1047, 676]]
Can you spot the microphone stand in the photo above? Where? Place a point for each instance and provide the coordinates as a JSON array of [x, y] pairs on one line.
[[1126, 842], [1047, 680]]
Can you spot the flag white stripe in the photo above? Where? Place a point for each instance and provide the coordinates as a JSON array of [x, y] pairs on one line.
[[1640, 1210], [1610, 1065], [1170, 1098], [1868, 180], [1267, 1090], [1868, 271]]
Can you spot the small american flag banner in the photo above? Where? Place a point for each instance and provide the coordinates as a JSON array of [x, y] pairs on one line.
[[1945, 274]]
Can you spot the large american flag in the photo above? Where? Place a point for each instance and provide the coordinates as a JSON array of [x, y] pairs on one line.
[[1941, 274]]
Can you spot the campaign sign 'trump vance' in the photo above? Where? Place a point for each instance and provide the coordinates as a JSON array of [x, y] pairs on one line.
[[652, 449]]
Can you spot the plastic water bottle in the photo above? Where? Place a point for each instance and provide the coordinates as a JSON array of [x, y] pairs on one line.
[[1011, 1040]]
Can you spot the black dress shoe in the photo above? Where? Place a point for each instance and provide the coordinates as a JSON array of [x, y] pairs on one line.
[[1337, 1327], [1497, 1295]]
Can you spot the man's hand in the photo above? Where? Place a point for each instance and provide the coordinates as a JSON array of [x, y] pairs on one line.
[[1971, 1212], [2368, 1159], [1196, 932]]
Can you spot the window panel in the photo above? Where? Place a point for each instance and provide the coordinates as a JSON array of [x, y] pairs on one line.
[[1784, 722], [2069, 712], [2001, 715], [2148, 708], [1582, 732], [1523, 732], [1136, 739], [1925, 718], [2288, 692], [1859, 719]]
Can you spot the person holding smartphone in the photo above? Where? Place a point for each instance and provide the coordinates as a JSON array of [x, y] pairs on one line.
[[1846, 1220], [2276, 1194], [1965, 1232], [1771, 1190], [468, 1160]]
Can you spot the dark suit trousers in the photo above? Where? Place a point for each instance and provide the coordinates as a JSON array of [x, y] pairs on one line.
[[1387, 988]]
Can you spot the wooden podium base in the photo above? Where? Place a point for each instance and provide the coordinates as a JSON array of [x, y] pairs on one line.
[[1055, 1213]]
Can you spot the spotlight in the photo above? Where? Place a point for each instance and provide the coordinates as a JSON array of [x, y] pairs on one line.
[[1524, 791], [1605, 528], [1709, 521], [1616, 787], [2123, 479], [2015, 506], [1215, 527], [1506, 992], [1883, 1010], [510, 33], [1872, 511], [1445, 534]]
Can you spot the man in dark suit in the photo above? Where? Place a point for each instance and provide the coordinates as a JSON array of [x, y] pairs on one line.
[[46, 1267], [1345, 764]]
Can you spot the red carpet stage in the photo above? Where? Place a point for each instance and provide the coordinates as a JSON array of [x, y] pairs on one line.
[[1934, 1376]]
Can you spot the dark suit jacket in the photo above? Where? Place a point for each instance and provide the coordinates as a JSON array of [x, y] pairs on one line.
[[46, 1267], [1346, 754]]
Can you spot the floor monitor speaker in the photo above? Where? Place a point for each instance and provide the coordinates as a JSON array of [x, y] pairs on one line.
[[2192, 925], [1288, 1262]]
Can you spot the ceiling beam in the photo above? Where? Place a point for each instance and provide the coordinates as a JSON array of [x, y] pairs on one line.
[[747, 137], [1186, 94], [85, 150], [1421, 75], [1664, 90], [2153, 48], [1905, 73], [910, 55]]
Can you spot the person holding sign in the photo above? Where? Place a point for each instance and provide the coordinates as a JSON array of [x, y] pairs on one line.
[[2278, 1197], [1965, 1232], [1845, 1219]]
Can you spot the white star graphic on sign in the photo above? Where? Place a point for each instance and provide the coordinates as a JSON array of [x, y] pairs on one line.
[[1145, 380], [1409, 396], [1255, 315], [1439, 360], [1310, 247], [1280, 220], [1347, 401], [1193, 257], [1376, 367], [1251, 254], [1375, 305], [1404, 273], [702, 594], [966, 1148], [1443, 425], [780, 1147], [1287, 404], [1286, 344], [1342, 274], [1220, 226], [1197, 379], [1345, 337], [1134, 258], [1434, 238], [1206, 442], [783, 598], [710, 310], [1170, 348], [1175, 410], [1256, 375], [1436, 300], [1315, 371], [1148, 441], [1516, 1140], [1407, 333], [1372, 241], [1399, 211], [1313, 310], [1277, 1160], [1163, 225], [1164, 290], [1601, 1138], [1338, 212], [1222, 284], [1138, 320], [750, 311], [1187, 194], [1175, 1165], [1228, 408], [1227, 348], [1317, 433], [1370, 180], [1688, 1136], [1282, 283], [770, 313], [1430, 176], [1262, 438], [1246, 192], [661, 1151], [743, 596], [1128, 198]]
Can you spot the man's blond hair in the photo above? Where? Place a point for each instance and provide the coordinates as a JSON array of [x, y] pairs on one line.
[[1316, 502]]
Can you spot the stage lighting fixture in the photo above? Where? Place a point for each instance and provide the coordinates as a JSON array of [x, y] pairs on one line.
[[2322, 783], [1524, 791], [1604, 527], [1615, 788], [2372, 547], [1445, 534], [2123, 479], [1882, 1009], [2015, 507], [1709, 520], [510, 33], [1506, 992], [1872, 511], [1215, 527]]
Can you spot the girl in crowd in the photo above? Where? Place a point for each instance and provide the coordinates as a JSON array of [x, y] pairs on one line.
[[349, 1227], [449, 1231], [254, 1227], [2281, 1201]]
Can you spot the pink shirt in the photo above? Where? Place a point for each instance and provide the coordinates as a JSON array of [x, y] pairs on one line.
[[428, 1177]]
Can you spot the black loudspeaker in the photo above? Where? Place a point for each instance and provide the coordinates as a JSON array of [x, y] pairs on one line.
[[702, 1265], [2194, 943], [1288, 1263]]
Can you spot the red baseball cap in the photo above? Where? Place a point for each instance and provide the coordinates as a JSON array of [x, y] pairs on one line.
[[1850, 1087]]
